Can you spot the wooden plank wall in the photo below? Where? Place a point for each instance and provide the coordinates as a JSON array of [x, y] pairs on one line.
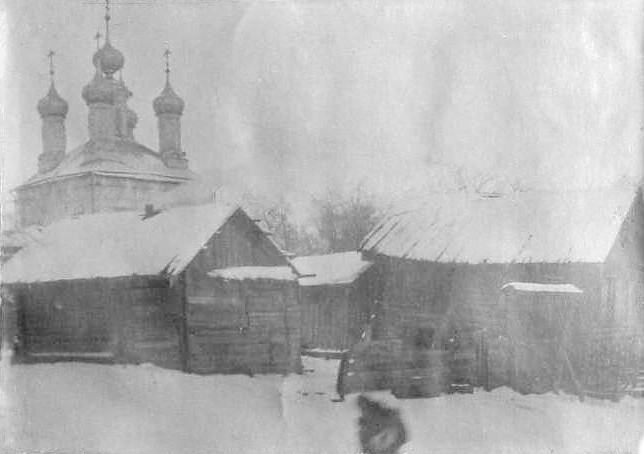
[[468, 295], [335, 316], [624, 273], [148, 326], [293, 327], [269, 340], [266, 340], [134, 320], [64, 317], [239, 242], [326, 316]]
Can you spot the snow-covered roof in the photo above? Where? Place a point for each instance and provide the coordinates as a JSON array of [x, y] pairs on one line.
[[533, 287], [116, 158], [330, 269], [240, 273], [550, 227], [117, 245]]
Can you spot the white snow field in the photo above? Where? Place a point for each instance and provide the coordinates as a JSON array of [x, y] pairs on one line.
[[85, 408]]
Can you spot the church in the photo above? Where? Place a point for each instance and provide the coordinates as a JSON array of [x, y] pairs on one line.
[[111, 171]]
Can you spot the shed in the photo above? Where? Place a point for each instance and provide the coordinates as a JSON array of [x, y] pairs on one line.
[[443, 259], [132, 287], [336, 299]]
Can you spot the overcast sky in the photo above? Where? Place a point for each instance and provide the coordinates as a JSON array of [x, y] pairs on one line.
[[302, 95]]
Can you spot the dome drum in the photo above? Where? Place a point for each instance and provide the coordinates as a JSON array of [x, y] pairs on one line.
[[100, 90]]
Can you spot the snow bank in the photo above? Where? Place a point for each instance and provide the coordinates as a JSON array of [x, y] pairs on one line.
[[145, 409]]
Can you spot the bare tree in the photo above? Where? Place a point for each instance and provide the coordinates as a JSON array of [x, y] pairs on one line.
[[343, 221], [290, 236]]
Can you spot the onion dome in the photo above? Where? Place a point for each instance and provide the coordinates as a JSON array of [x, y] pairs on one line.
[[52, 104], [168, 102], [111, 59], [100, 89]]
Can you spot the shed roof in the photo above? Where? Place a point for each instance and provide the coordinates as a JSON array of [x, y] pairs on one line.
[[533, 287], [117, 245], [330, 269], [547, 227]]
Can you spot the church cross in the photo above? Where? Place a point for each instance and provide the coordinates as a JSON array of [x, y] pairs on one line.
[[98, 37], [107, 20], [166, 54], [50, 55]]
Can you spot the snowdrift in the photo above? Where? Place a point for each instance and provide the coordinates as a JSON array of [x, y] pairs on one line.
[[144, 409]]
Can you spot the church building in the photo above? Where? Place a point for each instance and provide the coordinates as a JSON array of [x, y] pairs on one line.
[[111, 171]]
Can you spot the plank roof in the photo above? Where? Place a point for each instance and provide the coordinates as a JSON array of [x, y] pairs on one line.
[[539, 227]]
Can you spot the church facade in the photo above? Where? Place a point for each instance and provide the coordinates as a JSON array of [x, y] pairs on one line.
[[111, 171]]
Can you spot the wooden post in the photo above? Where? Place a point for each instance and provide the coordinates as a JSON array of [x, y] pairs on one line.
[[116, 319], [185, 339]]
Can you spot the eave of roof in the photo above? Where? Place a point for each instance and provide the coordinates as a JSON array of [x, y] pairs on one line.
[[140, 176], [113, 157]]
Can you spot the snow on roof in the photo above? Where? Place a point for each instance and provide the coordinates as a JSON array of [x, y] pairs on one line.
[[330, 269], [117, 245], [534, 287], [577, 226], [240, 273], [113, 157]]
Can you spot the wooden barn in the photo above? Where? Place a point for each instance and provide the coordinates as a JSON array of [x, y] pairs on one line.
[[336, 299], [444, 261], [200, 289]]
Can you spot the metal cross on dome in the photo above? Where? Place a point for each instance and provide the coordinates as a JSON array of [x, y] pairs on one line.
[[167, 59], [107, 20], [98, 37], [166, 54], [50, 55]]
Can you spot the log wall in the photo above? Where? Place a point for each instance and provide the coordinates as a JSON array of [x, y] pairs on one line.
[[467, 296], [129, 320], [244, 327]]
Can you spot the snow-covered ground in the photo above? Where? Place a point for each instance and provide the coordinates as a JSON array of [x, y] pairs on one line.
[[144, 409]]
